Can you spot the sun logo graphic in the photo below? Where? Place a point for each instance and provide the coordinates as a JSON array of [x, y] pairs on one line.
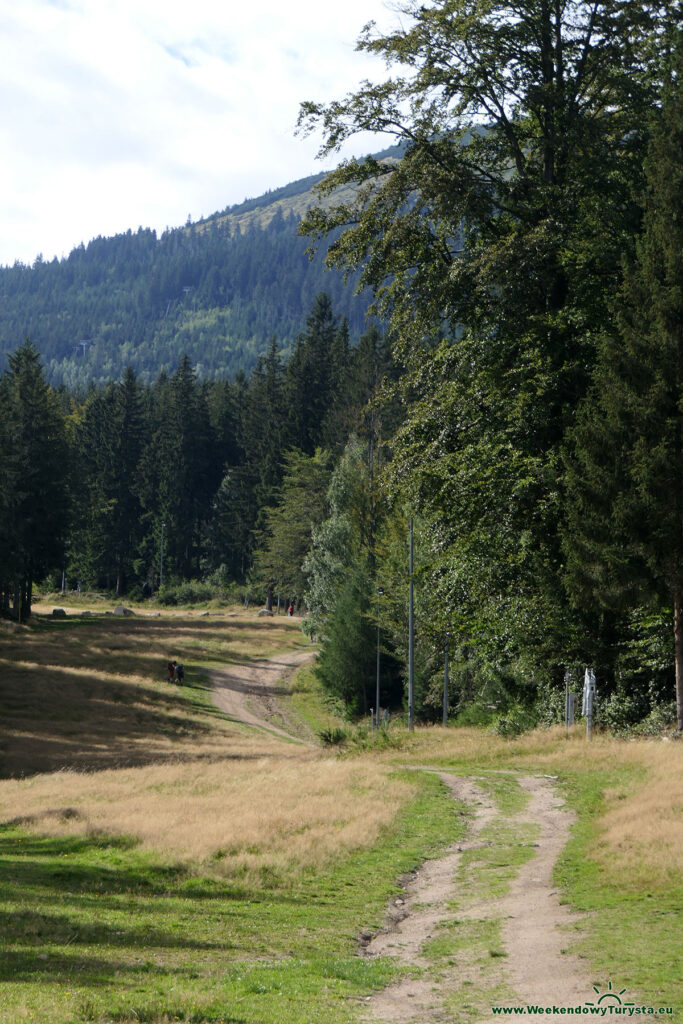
[[609, 998]]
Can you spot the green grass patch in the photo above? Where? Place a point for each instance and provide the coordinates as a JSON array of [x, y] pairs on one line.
[[312, 704], [97, 930], [632, 932]]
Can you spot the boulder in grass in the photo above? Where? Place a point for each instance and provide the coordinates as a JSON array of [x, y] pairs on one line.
[[120, 610], [265, 611], [58, 613]]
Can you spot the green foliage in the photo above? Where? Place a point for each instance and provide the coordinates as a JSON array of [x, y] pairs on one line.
[[288, 525], [516, 720], [662, 718], [618, 712], [187, 593], [625, 514], [494, 243], [337, 544], [180, 478], [346, 663], [334, 736], [363, 738]]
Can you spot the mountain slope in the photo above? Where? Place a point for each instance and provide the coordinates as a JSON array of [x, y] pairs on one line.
[[218, 290]]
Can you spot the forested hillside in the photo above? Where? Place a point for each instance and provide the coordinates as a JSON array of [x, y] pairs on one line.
[[218, 291], [526, 417]]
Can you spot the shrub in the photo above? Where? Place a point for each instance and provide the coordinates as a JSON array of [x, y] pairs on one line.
[[334, 736], [516, 720], [475, 715], [618, 713], [661, 718]]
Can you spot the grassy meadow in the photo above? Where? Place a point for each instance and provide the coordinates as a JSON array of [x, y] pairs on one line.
[[160, 862]]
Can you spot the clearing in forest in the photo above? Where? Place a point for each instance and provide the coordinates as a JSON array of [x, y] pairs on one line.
[[193, 854]]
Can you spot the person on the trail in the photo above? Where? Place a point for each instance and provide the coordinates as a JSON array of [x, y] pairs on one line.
[[171, 671], [290, 610], [179, 674]]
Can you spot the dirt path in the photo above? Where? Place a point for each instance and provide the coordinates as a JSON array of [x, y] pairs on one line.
[[533, 917], [250, 693], [534, 966]]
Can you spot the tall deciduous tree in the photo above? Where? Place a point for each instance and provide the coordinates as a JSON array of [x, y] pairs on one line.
[[494, 242], [514, 117], [625, 534]]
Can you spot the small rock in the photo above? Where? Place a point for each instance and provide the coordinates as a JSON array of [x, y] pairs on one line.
[[58, 613], [264, 611], [121, 611]]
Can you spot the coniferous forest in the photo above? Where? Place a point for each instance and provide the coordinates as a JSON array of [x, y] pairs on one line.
[[522, 402], [217, 291]]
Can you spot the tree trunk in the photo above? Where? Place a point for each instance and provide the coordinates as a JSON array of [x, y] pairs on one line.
[[678, 649], [25, 600], [269, 598]]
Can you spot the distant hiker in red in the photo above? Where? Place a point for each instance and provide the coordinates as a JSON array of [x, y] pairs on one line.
[[171, 671], [290, 610]]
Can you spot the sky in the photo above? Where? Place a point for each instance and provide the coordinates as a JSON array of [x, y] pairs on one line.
[[125, 113]]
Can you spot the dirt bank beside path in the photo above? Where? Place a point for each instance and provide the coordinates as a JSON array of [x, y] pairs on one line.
[[534, 965], [250, 693]]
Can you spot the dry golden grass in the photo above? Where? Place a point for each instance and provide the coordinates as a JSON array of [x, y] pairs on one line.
[[274, 812], [173, 775], [93, 693], [642, 832]]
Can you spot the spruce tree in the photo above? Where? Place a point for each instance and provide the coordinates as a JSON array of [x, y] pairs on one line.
[[37, 466], [625, 513]]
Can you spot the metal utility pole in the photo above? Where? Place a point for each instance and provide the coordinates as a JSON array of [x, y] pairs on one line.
[[566, 700], [445, 683], [379, 595], [411, 645], [588, 701], [161, 557]]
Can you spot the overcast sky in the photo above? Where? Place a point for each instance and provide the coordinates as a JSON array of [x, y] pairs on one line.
[[120, 113]]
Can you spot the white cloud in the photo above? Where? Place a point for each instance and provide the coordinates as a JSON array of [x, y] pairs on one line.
[[145, 111]]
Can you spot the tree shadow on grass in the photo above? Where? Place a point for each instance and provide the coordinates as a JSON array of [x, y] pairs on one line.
[[68, 913], [88, 695], [84, 723]]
